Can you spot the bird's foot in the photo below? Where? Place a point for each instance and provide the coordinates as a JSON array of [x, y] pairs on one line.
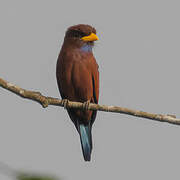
[[65, 103], [86, 105]]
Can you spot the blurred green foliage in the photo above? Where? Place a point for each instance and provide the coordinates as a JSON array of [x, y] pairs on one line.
[[34, 177], [23, 175]]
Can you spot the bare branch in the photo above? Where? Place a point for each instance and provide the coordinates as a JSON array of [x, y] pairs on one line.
[[45, 101]]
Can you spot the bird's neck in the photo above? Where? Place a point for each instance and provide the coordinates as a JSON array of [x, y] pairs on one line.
[[86, 48]]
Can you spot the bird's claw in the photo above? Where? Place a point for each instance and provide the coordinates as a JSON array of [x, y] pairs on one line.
[[65, 103], [86, 105]]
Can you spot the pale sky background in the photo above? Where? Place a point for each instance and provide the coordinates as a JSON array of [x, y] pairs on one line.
[[138, 53]]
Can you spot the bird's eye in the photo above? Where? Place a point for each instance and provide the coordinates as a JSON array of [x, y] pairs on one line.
[[77, 34]]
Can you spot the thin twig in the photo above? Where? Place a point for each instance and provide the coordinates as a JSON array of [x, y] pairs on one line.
[[45, 101]]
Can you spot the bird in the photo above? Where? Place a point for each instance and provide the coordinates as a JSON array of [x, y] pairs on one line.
[[77, 74]]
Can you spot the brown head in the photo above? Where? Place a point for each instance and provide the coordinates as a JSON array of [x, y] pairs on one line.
[[80, 35]]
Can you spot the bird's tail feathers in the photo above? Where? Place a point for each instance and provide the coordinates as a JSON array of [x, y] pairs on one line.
[[86, 141]]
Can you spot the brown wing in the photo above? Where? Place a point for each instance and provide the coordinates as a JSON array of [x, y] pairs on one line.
[[95, 81]]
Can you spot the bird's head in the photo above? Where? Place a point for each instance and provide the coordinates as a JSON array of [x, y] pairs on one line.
[[80, 35]]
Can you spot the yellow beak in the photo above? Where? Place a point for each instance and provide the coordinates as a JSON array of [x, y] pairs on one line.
[[91, 37]]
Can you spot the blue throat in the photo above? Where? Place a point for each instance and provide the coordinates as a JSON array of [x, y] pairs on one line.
[[86, 48]]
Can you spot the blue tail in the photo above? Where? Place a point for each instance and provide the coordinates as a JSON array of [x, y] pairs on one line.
[[86, 141]]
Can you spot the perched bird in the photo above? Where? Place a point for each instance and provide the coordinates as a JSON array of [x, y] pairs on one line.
[[78, 80]]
